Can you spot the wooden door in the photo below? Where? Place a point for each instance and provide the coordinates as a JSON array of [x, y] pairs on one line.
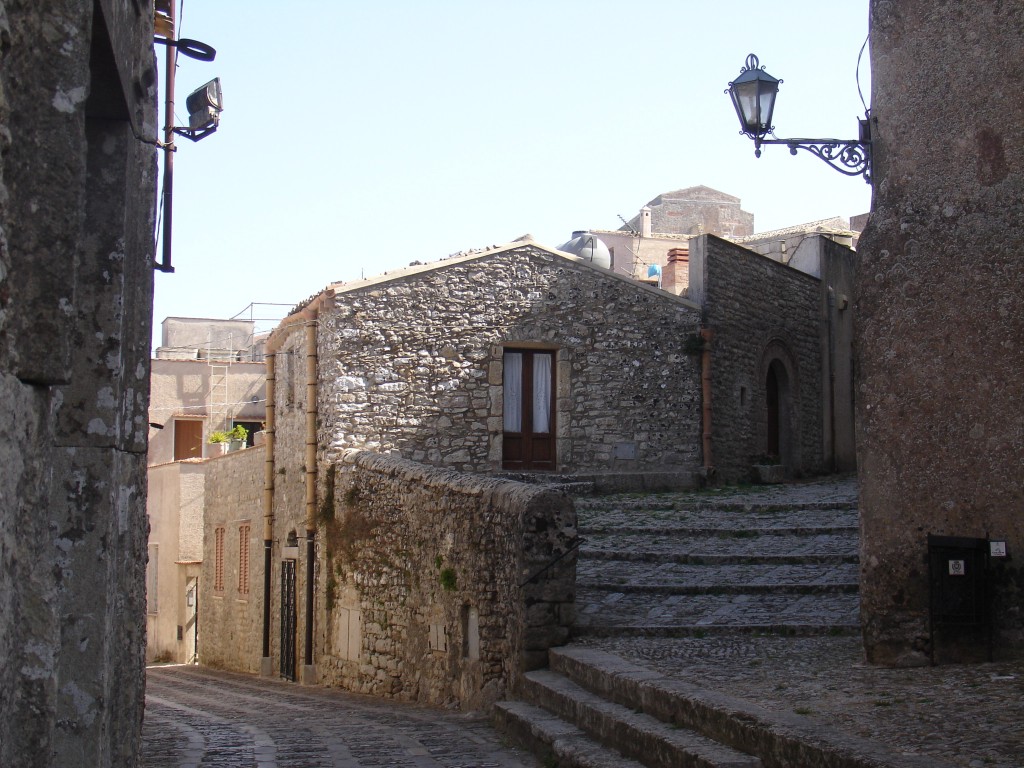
[[529, 403], [188, 439]]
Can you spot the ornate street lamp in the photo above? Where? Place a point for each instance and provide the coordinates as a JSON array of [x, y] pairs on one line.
[[753, 95]]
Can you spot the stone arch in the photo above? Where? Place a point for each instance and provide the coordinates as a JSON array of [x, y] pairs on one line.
[[777, 400]]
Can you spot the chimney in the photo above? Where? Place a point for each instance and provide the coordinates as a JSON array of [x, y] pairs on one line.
[[645, 221], [675, 277]]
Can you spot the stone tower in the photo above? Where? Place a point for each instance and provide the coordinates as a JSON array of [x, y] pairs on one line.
[[941, 322]]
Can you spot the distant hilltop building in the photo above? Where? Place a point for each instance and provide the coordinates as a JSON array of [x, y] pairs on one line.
[[693, 211], [654, 246]]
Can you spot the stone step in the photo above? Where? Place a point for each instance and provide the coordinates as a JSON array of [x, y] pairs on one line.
[[557, 743], [709, 518], [688, 503], [721, 578], [734, 531], [697, 558], [777, 738], [636, 735], [750, 588], [604, 612], [632, 546]]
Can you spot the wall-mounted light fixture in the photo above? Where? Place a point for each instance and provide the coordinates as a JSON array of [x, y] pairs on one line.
[[753, 95], [204, 107]]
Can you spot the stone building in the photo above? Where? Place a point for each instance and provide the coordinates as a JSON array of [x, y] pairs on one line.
[[208, 375], [77, 202], [939, 343], [403, 410], [667, 223]]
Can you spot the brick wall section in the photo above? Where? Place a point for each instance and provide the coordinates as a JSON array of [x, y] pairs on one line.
[[415, 558], [230, 623], [77, 197], [413, 364], [758, 309]]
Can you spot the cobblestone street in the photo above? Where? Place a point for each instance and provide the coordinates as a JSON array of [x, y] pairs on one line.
[[200, 718]]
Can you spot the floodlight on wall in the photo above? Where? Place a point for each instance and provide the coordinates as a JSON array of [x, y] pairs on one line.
[[753, 96], [204, 107]]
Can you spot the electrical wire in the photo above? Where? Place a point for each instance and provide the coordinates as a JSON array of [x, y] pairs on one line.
[[859, 92]]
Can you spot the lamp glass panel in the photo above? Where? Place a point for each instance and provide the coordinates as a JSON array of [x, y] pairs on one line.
[[766, 105], [745, 99]]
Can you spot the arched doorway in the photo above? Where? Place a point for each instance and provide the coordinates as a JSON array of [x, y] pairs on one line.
[[777, 407]]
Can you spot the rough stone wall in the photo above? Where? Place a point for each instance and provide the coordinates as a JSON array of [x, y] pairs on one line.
[[289, 479], [420, 567], [231, 622], [413, 364], [77, 197], [758, 310], [940, 316]]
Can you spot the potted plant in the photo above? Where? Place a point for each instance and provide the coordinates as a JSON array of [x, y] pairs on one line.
[[237, 437], [769, 469], [218, 443]]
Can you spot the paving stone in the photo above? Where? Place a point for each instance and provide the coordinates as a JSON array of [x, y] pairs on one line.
[[203, 718]]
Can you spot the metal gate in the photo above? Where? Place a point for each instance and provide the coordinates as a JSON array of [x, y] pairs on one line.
[[288, 619]]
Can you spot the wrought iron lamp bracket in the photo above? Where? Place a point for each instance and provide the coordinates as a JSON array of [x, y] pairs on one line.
[[848, 156], [852, 158]]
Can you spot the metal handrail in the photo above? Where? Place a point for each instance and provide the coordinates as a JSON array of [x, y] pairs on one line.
[[573, 545]]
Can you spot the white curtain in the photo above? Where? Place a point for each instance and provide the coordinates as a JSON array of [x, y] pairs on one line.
[[541, 393], [513, 381]]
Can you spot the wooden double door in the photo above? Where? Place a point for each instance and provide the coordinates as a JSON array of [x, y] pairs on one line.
[[529, 409]]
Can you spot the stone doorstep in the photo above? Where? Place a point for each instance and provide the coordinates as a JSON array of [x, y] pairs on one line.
[[652, 742], [555, 741], [780, 739]]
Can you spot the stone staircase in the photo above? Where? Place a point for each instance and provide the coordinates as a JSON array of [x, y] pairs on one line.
[[694, 565], [683, 565]]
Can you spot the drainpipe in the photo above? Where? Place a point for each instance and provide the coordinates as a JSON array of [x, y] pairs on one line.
[[829, 312], [266, 666], [705, 381], [307, 318], [309, 672]]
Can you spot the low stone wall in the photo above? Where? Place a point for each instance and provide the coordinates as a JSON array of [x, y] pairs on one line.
[[423, 572], [231, 618]]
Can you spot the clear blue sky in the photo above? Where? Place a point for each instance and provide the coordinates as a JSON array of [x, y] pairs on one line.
[[360, 136]]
